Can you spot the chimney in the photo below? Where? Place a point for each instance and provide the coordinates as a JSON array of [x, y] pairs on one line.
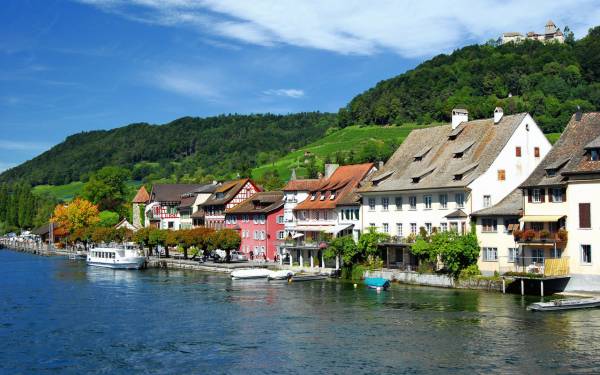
[[459, 116], [498, 113], [329, 169], [380, 165], [578, 114]]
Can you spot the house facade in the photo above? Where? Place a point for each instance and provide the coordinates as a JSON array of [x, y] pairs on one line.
[[260, 222], [162, 210], [139, 203], [226, 196], [561, 204], [442, 174], [551, 34]]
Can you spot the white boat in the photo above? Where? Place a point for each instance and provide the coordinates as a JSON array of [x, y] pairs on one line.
[[250, 273], [565, 304], [280, 275], [116, 257]]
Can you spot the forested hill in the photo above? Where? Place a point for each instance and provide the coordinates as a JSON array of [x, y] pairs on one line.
[[548, 81], [221, 146]]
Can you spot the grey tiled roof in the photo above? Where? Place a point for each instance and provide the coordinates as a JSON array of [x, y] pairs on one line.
[[571, 146], [484, 138], [511, 205]]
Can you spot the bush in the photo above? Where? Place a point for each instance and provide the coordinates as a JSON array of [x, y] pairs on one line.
[[470, 271]]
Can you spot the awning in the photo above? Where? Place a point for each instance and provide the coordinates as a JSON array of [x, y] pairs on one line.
[[298, 235], [312, 228], [338, 228], [540, 218]]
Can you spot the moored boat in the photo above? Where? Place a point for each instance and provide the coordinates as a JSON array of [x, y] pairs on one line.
[[117, 258], [377, 282], [250, 273], [280, 275], [297, 278], [565, 304]]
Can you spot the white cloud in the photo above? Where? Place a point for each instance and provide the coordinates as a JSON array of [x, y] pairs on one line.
[[23, 146], [290, 93], [196, 84], [359, 27]]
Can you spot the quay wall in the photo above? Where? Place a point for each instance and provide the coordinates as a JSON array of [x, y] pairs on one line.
[[443, 281]]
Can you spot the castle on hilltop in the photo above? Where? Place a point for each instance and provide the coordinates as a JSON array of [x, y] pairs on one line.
[[551, 34]]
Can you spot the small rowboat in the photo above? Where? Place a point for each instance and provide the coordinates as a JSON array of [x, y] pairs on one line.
[[280, 275], [377, 283], [565, 304], [250, 273]]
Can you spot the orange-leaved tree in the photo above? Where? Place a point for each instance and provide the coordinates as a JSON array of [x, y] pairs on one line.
[[75, 215]]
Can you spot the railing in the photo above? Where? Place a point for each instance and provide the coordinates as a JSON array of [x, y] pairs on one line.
[[542, 266], [305, 244], [530, 235]]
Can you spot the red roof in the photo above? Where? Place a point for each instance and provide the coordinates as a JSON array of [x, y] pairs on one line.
[[142, 196], [343, 182], [302, 185]]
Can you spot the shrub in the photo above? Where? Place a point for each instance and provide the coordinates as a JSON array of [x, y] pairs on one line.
[[562, 234], [544, 234], [528, 234], [470, 271]]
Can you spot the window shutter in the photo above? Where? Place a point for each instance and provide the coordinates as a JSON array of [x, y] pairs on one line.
[[529, 191], [564, 194], [543, 195], [584, 215]]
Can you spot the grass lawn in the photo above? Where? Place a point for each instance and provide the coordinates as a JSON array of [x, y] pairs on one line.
[[62, 192], [553, 137]]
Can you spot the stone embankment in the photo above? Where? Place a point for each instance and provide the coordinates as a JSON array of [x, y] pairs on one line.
[[444, 281]]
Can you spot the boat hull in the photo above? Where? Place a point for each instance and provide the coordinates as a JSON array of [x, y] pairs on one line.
[[565, 305], [249, 274], [126, 264], [377, 283]]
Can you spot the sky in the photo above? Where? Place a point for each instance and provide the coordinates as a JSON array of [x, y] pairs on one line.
[[68, 66]]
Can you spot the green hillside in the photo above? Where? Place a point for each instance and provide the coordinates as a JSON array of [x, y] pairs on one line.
[[353, 144], [60, 192], [547, 80]]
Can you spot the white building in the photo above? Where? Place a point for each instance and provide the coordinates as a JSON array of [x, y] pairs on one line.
[[551, 34], [441, 174], [561, 217]]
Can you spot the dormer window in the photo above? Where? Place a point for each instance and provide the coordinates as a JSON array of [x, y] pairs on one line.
[[322, 196], [220, 195], [550, 172], [461, 150], [462, 172], [418, 178], [313, 196], [332, 196], [595, 154], [421, 154]]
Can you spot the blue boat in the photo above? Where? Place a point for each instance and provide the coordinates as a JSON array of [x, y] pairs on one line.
[[377, 282]]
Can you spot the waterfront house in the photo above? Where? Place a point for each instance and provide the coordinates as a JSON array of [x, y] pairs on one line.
[[494, 228], [441, 174], [226, 196], [139, 203], [259, 220], [561, 205], [190, 208], [162, 210], [322, 213]]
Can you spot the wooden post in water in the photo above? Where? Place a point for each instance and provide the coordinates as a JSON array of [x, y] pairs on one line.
[[503, 286], [522, 287], [542, 287]]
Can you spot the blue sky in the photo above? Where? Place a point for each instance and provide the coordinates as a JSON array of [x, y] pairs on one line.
[[73, 65]]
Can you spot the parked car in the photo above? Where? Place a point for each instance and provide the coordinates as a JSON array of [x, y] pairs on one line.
[[236, 256]]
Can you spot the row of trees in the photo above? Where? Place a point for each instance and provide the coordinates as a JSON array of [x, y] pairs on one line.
[[455, 251], [21, 208]]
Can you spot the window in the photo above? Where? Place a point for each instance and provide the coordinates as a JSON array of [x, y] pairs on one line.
[[413, 228], [332, 195], [427, 200], [536, 196], [444, 227], [454, 226], [428, 228], [489, 225], [372, 225], [443, 201], [513, 254], [537, 226], [536, 152], [356, 214], [490, 254], [557, 195], [412, 201], [313, 196], [501, 174], [385, 202], [322, 197], [371, 204], [537, 255], [585, 221], [398, 202], [510, 224], [586, 254], [386, 228], [594, 155], [399, 229], [171, 224], [460, 200], [518, 151], [487, 200]]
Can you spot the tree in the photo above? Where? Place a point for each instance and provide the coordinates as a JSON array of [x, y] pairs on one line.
[[456, 251], [226, 239], [108, 219], [157, 237], [345, 248], [107, 187], [80, 213], [368, 243]]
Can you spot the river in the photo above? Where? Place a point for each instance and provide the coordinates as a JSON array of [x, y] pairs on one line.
[[59, 316]]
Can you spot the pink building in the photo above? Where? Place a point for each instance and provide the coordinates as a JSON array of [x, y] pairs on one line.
[[259, 221]]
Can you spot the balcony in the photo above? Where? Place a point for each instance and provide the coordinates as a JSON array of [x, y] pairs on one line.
[[309, 245], [530, 236]]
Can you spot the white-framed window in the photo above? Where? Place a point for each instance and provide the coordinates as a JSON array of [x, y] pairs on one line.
[[398, 201], [586, 254], [413, 228], [487, 200], [280, 235], [385, 203], [459, 198], [536, 196], [255, 235], [428, 227], [557, 195], [386, 228], [454, 226], [444, 227], [313, 196], [490, 254], [280, 219], [537, 255], [332, 195], [255, 219], [489, 225], [322, 197], [399, 229], [443, 201], [412, 202], [427, 200], [513, 254], [371, 204], [372, 225], [263, 218]]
